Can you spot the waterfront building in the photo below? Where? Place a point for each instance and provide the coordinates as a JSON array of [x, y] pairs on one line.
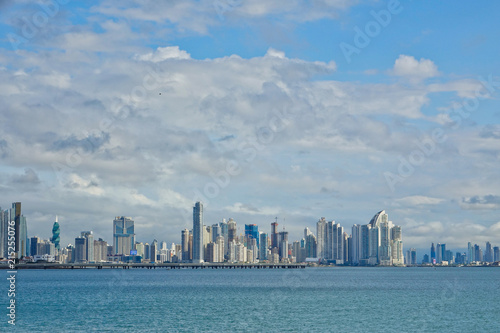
[[311, 246], [56, 235], [198, 233], [263, 248], [80, 250], [433, 253], [89, 245], [251, 232], [321, 237], [185, 245], [153, 251], [496, 254], [488, 253], [123, 235]]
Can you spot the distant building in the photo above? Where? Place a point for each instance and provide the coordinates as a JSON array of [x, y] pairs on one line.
[[123, 235], [198, 233], [56, 235]]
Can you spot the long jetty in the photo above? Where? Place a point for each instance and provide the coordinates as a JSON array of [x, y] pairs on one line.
[[112, 265]]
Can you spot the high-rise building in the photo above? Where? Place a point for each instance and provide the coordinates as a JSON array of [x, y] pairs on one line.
[[274, 235], [123, 235], [153, 251], [89, 245], [488, 253], [433, 253], [80, 250], [311, 245], [231, 230], [185, 245], [100, 250], [198, 233], [251, 232], [321, 238], [56, 235], [496, 254], [264, 245], [34, 245]]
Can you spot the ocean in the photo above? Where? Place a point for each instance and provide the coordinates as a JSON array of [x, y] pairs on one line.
[[339, 299]]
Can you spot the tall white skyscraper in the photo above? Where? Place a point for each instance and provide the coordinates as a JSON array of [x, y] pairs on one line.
[[198, 233]]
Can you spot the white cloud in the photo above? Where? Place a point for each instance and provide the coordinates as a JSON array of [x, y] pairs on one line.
[[408, 66], [164, 53], [419, 200]]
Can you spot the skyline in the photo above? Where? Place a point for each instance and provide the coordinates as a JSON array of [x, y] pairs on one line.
[[353, 248], [259, 109]]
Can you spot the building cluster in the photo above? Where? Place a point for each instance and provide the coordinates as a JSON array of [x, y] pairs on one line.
[[378, 242], [439, 255]]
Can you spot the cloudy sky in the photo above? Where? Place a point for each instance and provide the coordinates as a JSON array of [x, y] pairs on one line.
[[261, 109]]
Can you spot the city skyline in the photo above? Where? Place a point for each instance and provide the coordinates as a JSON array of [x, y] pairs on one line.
[[331, 108], [379, 242]]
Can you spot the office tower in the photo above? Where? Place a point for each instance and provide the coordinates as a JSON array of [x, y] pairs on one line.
[[439, 253], [478, 253], [80, 250], [426, 259], [283, 249], [220, 248], [139, 247], [496, 254], [231, 231], [397, 256], [264, 245], [89, 245], [34, 245], [21, 231], [100, 250], [185, 245], [55, 235], [154, 251], [123, 235], [211, 252], [216, 232], [488, 253], [224, 233], [198, 233], [274, 234], [282, 237], [433, 253], [321, 238], [251, 232], [355, 244], [470, 253], [364, 244], [311, 246], [147, 251]]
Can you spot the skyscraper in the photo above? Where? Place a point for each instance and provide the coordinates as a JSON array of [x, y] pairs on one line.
[[433, 253], [251, 232], [321, 237], [264, 245], [185, 245], [89, 245], [198, 233], [274, 235], [55, 235], [123, 235], [79, 252]]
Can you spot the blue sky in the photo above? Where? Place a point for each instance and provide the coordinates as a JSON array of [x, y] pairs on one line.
[[133, 107]]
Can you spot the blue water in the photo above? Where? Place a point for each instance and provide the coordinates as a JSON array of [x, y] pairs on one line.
[[306, 300]]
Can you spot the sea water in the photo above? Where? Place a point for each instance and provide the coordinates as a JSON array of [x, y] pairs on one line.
[[340, 299]]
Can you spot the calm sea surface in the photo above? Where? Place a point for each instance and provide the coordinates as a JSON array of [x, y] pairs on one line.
[[305, 300]]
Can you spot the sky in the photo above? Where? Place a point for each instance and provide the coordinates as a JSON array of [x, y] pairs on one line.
[[260, 109]]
